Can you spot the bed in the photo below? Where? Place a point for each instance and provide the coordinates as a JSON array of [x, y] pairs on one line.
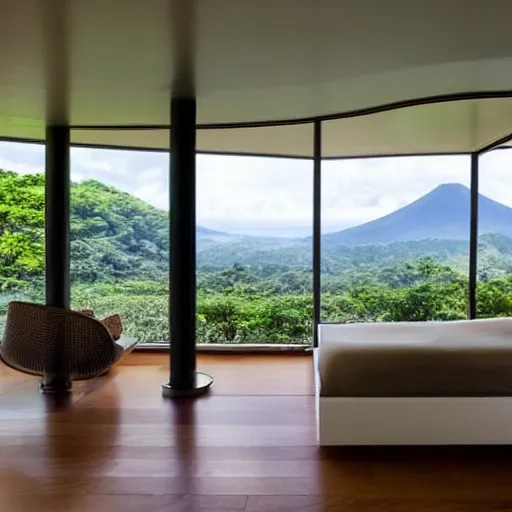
[[415, 383]]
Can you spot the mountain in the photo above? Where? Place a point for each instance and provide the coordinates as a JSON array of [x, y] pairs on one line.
[[117, 236], [206, 232], [114, 234], [443, 214]]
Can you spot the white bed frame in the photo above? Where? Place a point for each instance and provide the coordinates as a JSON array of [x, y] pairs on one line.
[[352, 421]]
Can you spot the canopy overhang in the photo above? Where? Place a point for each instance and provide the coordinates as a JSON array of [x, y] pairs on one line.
[[387, 78]]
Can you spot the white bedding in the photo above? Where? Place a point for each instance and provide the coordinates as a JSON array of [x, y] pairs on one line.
[[462, 358]]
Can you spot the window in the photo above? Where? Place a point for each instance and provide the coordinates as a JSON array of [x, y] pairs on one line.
[[120, 238], [394, 240], [395, 237], [494, 277], [254, 243], [21, 224]]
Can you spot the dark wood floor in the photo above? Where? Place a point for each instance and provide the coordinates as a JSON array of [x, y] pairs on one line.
[[250, 445]]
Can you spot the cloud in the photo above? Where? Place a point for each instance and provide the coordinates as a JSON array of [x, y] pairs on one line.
[[141, 173], [248, 193], [495, 176], [21, 157], [242, 192]]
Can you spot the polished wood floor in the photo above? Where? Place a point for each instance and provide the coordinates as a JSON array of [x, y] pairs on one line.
[[116, 445]]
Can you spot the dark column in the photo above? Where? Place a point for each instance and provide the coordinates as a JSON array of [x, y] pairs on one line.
[[184, 379], [473, 237], [317, 226], [57, 182], [57, 216]]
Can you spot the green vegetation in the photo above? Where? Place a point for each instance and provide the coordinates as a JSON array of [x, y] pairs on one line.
[[250, 290]]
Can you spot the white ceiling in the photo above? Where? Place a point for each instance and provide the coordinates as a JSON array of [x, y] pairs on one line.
[[99, 62]]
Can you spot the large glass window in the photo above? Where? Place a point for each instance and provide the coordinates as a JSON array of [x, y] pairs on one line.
[[120, 238], [395, 237], [254, 248], [21, 224], [394, 240], [494, 286]]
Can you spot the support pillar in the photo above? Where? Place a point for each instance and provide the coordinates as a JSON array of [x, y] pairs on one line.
[[473, 237], [57, 186], [317, 227], [184, 380]]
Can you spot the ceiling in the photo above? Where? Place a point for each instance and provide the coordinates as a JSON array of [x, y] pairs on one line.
[[97, 64]]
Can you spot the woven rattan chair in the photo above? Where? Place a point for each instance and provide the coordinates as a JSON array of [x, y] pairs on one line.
[[54, 342]]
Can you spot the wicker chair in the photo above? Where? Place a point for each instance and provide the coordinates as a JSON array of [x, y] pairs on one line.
[[47, 341]]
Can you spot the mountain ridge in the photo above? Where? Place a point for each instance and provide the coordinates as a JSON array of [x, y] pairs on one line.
[[442, 213]]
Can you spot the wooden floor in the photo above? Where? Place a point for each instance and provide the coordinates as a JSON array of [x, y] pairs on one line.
[[250, 445]]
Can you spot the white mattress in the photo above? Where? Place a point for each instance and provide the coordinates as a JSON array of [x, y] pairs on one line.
[[463, 358]]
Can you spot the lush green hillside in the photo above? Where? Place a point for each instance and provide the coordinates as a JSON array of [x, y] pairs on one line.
[[21, 228], [250, 289], [115, 236]]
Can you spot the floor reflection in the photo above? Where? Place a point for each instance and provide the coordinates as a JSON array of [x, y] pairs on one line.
[[65, 454], [183, 425]]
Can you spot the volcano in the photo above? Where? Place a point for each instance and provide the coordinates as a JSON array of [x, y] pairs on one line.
[[443, 213]]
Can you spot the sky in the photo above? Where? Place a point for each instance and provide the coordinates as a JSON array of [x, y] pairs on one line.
[[273, 196]]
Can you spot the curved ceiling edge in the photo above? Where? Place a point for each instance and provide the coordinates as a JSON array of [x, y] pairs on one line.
[[415, 102], [491, 147]]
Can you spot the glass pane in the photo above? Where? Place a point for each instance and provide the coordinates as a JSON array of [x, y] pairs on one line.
[[120, 238], [494, 286], [395, 237], [21, 224], [254, 248]]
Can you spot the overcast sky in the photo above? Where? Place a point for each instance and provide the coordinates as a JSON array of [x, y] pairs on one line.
[[274, 196]]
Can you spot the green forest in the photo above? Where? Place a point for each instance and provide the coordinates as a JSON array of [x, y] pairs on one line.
[[250, 289]]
